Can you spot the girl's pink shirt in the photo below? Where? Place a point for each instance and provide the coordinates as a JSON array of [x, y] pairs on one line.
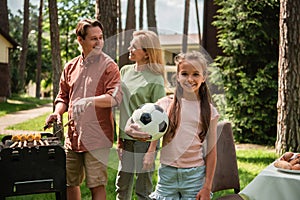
[[185, 150]]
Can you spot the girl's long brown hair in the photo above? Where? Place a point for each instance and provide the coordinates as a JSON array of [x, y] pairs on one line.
[[198, 61]]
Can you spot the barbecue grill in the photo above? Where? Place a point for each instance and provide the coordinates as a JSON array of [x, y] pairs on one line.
[[32, 168]]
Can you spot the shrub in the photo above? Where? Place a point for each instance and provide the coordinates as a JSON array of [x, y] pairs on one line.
[[248, 34]]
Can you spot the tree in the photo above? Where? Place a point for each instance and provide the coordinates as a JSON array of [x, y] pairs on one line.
[[4, 24], [248, 35], [141, 14], [39, 54], [151, 17], [70, 12], [185, 25], [106, 12], [209, 38], [129, 28], [120, 31], [15, 28], [198, 24], [55, 51], [23, 56], [288, 120]]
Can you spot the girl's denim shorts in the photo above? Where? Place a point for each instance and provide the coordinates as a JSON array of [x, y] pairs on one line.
[[178, 183]]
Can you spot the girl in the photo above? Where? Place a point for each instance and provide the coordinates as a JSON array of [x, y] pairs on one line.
[[188, 155]]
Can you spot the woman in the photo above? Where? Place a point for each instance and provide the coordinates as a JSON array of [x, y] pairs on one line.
[[142, 82]]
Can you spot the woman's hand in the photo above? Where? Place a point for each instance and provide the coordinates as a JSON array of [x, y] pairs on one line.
[[148, 162], [120, 148], [133, 130]]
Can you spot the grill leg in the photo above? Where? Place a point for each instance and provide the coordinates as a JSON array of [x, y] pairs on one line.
[[59, 195]]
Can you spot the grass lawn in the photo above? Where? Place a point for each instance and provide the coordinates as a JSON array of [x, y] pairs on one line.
[[20, 102], [250, 161]]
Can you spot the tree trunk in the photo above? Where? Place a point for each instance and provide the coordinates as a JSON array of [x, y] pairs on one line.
[[23, 56], [209, 36], [55, 52], [120, 32], [39, 53], [185, 25], [198, 25], [106, 12], [141, 15], [151, 17], [4, 24], [288, 122], [129, 28]]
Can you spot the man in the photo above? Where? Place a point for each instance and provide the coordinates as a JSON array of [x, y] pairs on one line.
[[89, 88]]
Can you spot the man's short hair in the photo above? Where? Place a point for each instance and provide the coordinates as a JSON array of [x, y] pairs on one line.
[[84, 24]]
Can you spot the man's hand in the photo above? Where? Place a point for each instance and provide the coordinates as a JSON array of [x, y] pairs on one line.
[[80, 106], [51, 119]]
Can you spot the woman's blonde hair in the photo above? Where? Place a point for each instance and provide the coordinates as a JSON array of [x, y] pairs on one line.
[[150, 43]]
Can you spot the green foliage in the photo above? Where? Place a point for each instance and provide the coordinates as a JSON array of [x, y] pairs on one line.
[[248, 34], [16, 25], [69, 12]]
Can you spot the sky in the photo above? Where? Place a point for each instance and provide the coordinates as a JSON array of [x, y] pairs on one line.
[[169, 14]]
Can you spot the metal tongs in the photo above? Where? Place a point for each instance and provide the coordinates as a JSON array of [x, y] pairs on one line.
[[62, 127]]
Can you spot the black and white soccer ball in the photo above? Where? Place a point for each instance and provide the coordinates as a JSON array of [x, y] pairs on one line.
[[152, 119]]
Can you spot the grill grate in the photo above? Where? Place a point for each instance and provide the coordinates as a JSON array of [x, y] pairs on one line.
[[32, 169]]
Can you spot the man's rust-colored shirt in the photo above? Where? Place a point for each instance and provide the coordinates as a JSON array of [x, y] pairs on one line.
[[82, 77]]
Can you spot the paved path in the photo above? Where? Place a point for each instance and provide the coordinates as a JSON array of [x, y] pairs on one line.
[[22, 116]]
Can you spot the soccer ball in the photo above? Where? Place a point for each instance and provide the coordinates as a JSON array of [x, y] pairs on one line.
[[152, 119]]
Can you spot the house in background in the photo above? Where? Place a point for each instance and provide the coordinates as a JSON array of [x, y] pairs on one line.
[[6, 44], [172, 44]]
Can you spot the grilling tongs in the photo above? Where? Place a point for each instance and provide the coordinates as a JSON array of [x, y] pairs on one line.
[[66, 124]]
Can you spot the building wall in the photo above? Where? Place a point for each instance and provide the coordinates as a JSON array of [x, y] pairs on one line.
[[172, 44], [168, 56], [170, 52], [4, 49], [4, 68]]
